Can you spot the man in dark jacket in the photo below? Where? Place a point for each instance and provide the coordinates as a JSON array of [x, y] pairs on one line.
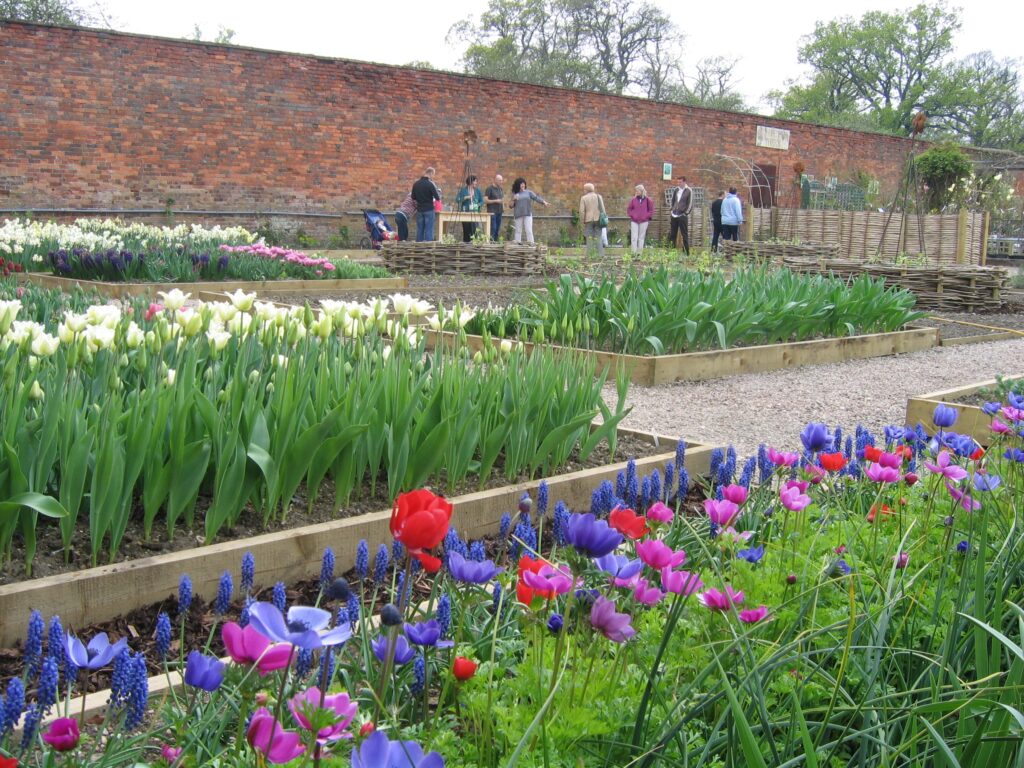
[[682, 204], [425, 192], [716, 221]]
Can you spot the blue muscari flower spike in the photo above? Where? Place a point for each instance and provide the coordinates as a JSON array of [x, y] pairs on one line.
[[561, 519], [341, 618], [620, 484], [454, 543], [680, 454], [477, 551], [596, 498], [645, 494], [670, 477], [55, 646], [608, 496], [747, 475], [225, 588], [444, 614], [138, 696], [719, 493], [848, 449], [419, 675], [49, 677], [655, 487], [837, 440], [327, 659], [30, 727], [120, 679], [764, 466], [717, 459], [279, 597], [184, 594], [416, 566], [397, 553], [243, 617], [362, 559], [400, 590], [354, 606], [380, 564], [326, 568], [14, 705], [912, 464], [505, 527], [632, 494], [725, 471], [496, 600], [248, 573], [730, 457], [542, 498], [684, 483], [303, 662], [162, 635], [34, 644], [527, 534]]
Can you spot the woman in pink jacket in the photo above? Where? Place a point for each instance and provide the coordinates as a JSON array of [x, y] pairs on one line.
[[640, 212]]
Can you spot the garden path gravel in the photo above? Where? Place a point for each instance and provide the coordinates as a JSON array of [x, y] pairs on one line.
[[773, 407]]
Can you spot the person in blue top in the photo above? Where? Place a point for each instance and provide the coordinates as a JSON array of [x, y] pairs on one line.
[[732, 216], [469, 198]]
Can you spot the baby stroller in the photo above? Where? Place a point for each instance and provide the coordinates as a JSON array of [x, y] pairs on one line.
[[377, 226]]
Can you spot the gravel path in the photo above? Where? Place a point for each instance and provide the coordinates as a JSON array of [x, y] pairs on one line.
[[773, 407]]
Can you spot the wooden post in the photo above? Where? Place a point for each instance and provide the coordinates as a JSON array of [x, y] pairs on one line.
[[986, 219], [961, 236], [775, 222], [901, 244], [747, 227]]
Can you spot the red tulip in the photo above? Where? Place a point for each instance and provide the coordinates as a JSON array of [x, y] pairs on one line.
[[420, 521], [463, 668], [628, 523], [833, 462], [871, 453], [8, 762]]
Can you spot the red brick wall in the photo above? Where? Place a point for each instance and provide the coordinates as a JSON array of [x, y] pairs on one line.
[[102, 119]]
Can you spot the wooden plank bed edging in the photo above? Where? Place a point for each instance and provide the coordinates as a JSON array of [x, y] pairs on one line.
[[98, 594]]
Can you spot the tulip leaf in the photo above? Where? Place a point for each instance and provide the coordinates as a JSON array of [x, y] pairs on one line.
[[37, 502]]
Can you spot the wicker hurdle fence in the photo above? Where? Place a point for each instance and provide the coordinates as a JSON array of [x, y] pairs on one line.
[[464, 258], [944, 287], [776, 251]]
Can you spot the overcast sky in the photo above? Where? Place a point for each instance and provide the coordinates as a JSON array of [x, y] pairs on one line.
[[763, 35]]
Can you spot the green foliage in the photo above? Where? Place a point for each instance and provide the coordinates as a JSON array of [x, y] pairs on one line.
[[940, 168], [65, 12]]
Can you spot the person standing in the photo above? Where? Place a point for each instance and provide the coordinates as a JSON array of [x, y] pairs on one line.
[[682, 204], [405, 213], [471, 200], [425, 192], [640, 211], [522, 205], [494, 196], [732, 216], [716, 221], [591, 212]]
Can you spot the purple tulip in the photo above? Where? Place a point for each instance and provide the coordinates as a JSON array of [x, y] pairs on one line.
[[304, 627], [471, 571]]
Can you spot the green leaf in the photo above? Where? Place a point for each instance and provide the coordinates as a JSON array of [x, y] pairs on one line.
[[37, 502]]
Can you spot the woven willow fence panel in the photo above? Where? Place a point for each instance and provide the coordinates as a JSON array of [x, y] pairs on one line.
[[953, 287], [464, 258], [774, 251], [948, 238]]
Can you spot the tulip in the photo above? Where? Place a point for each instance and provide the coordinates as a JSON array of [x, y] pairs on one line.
[[63, 734], [174, 299], [463, 669]]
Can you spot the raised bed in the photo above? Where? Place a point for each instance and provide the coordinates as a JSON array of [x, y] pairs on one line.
[[778, 251], [99, 594], [971, 420], [465, 258], [260, 287], [650, 370]]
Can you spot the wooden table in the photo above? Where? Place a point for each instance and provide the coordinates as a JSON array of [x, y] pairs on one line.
[[448, 217]]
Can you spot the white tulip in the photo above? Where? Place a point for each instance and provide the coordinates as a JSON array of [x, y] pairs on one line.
[[8, 311], [134, 336], [241, 300], [174, 299], [75, 323], [421, 307], [171, 376], [506, 346], [45, 345], [36, 392], [402, 302], [218, 339]]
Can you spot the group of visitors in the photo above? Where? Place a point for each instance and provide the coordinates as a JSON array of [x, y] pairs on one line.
[[424, 201]]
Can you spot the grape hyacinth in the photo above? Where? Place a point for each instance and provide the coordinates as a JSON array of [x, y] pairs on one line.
[[326, 568], [444, 614], [837, 440], [684, 484], [34, 644], [670, 476], [225, 588], [341, 617], [303, 662], [477, 551], [362, 559], [120, 679], [645, 493], [655, 486], [353, 608], [397, 552], [419, 673], [162, 635], [607, 497], [30, 727], [380, 564], [717, 459], [542, 498], [279, 597], [248, 573], [505, 526], [764, 465], [184, 594], [138, 693], [13, 706], [595, 501], [46, 692], [559, 521], [327, 664], [55, 647], [620, 484], [747, 475], [454, 543], [243, 617], [496, 602], [632, 493]]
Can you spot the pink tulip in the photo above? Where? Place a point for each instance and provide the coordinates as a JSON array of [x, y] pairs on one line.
[[793, 500], [680, 582], [781, 459], [753, 615], [268, 736], [646, 594], [660, 513], [880, 474], [737, 494], [721, 512], [657, 554], [154, 309], [720, 601], [247, 646], [304, 706]]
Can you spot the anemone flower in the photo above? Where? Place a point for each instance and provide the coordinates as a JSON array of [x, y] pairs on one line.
[[624, 572], [590, 536], [246, 645], [304, 707], [304, 627], [268, 736], [404, 653], [964, 499], [720, 601], [737, 494], [793, 500], [753, 615], [943, 466], [378, 751], [721, 512], [816, 437], [614, 626], [628, 523], [97, 654], [659, 512], [647, 594], [549, 579], [657, 554], [986, 482], [427, 633], [881, 474], [782, 458], [471, 571], [204, 672], [680, 582]]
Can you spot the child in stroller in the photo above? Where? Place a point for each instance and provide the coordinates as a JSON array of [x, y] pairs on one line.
[[377, 226]]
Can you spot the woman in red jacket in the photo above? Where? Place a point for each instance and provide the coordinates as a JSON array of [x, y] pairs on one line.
[[640, 212]]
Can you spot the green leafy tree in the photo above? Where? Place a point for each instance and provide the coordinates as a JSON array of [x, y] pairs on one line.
[[224, 34], [979, 100], [939, 168], [53, 12]]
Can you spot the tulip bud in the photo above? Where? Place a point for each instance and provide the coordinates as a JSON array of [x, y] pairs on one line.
[[36, 392]]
